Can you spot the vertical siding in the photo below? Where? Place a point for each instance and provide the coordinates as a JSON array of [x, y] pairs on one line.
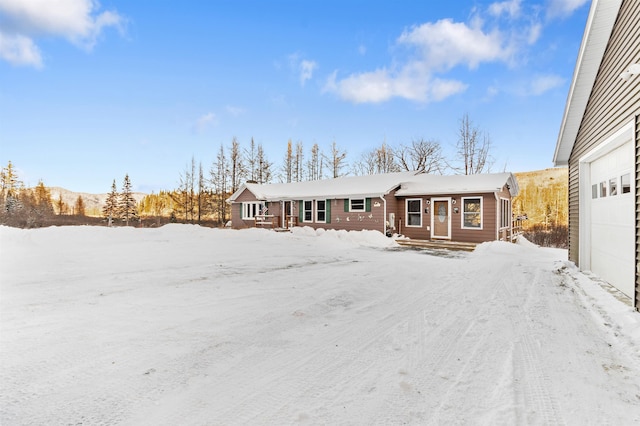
[[612, 104]]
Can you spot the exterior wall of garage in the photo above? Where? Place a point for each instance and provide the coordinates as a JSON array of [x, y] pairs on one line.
[[612, 105]]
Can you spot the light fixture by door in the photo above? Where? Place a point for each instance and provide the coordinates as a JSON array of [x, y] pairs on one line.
[[633, 69]]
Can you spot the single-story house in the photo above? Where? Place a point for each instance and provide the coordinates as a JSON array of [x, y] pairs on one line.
[[474, 208], [599, 141]]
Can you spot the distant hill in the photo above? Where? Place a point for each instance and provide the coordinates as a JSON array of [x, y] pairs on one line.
[[543, 196], [93, 202]]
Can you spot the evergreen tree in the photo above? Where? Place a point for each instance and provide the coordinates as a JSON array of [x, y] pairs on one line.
[[42, 205], [127, 205], [79, 208], [9, 189], [110, 209]]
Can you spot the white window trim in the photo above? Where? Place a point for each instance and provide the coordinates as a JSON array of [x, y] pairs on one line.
[[304, 211], [317, 210], [406, 212], [246, 210], [463, 213], [364, 205]]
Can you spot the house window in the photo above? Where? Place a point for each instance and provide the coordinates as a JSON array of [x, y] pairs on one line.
[[321, 211], [625, 183], [505, 213], [613, 187], [251, 210], [594, 191], [356, 205], [472, 213], [307, 214], [603, 189], [414, 212]]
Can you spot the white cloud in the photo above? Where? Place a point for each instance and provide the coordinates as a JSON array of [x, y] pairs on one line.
[[306, 70], [79, 21], [446, 44], [205, 121], [563, 8], [302, 68], [510, 8], [234, 111], [382, 85], [534, 32], [19, 50], [438, 47], [543, 83]]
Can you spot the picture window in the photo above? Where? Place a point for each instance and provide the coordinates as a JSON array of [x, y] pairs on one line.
[[472, 213]]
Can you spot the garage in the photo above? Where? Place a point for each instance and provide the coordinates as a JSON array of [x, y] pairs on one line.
[[611, 218]]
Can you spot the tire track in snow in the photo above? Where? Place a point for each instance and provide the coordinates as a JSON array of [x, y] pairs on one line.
[[286, 375]]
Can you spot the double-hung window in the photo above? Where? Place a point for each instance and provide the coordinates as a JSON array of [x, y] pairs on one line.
[[321, 211], [414, 212], [307, 211], [472, 213], [251, 209]]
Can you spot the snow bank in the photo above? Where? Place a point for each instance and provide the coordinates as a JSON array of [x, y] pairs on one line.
[[367, 238], [614, 313]]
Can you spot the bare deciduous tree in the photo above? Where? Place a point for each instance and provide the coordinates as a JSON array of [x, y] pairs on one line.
[[472, 149], [378, 160], [423, 155], [337, 160]]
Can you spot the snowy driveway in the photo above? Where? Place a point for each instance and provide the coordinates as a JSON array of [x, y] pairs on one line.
[[193, 326]]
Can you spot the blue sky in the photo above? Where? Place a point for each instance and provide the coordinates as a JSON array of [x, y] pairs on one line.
[[91, 91]]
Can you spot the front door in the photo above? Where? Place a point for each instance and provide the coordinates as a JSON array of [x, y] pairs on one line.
[[441, 219], [287, 217]]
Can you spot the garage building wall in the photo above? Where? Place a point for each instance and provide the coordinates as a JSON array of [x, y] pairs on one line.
[[613, 103]]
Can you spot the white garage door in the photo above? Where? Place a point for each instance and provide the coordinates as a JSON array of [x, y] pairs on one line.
[[612, 218]]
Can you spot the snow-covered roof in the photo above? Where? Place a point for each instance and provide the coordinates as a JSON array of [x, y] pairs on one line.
[[602, 18], [343, 187], [458, 184], [410, 183]]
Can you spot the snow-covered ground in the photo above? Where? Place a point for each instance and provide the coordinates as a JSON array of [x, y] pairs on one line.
[[194, 326]]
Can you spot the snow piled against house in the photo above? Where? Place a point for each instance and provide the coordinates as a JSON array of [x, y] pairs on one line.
[[189, 325]]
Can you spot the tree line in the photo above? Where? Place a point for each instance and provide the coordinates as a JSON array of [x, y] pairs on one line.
[[202, 192], [30, 207]]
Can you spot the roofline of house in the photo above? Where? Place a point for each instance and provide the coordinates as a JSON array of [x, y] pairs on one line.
[[602, 15]]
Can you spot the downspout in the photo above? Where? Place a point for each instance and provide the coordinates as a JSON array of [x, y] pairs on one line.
[[384, 218]]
